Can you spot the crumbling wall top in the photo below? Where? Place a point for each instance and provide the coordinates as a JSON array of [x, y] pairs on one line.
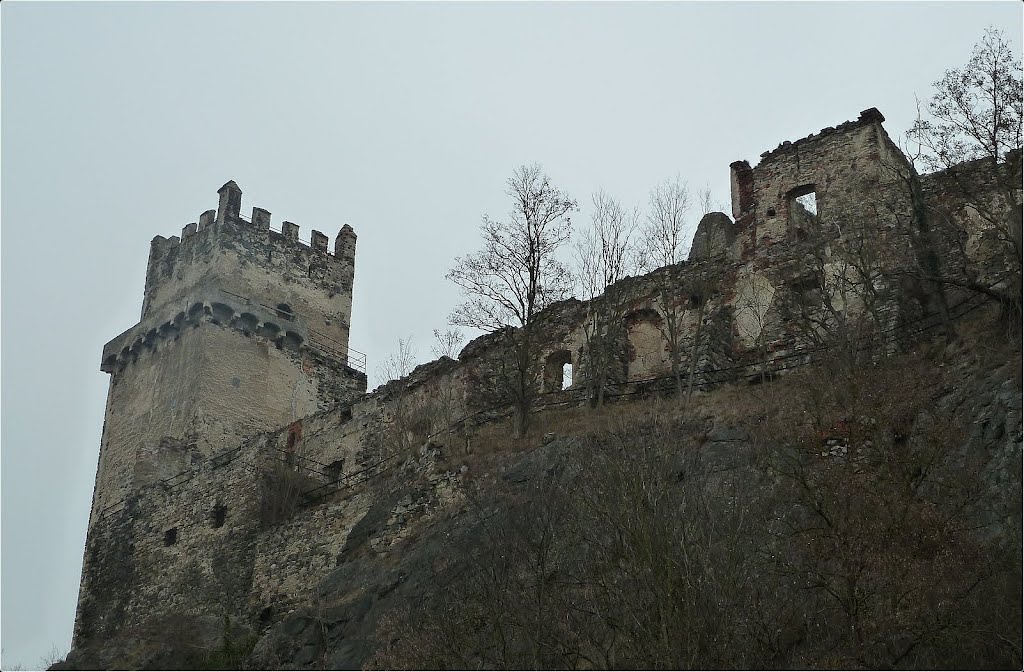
[[869, 116]]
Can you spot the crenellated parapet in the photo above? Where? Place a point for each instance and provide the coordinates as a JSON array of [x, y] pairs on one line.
[[228, 212], [225, 250]]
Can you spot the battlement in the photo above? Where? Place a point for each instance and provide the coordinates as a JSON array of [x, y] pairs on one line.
[[243, 328], [228, 212], [227, 251]]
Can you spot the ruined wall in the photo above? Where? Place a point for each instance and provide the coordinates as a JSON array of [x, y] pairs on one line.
[[975, 210], [840, 165], [247, 534], [817, 268], [182, 547]]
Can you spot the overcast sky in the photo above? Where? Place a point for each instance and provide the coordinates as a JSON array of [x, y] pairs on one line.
[[121, 120]]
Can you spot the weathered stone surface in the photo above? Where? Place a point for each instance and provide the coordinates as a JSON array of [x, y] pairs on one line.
[[714, 237]]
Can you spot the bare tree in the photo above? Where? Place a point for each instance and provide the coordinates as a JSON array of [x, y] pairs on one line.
[[394, 368], [399, 363], [447, 344], [604, 255], [666, 234], [707, 202], [838, 302], [975, 112], [517, 274], [975, 115], [54, 656], [879, 512]]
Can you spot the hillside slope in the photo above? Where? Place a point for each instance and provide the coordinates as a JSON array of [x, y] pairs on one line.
[[849, 514]]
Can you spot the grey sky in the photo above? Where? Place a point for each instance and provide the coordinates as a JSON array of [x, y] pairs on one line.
[[121, 120]]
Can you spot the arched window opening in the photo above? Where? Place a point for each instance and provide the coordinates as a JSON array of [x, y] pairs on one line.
[[555, 368]]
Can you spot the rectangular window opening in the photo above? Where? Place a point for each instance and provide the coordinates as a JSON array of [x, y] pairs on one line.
[[220, 514], [171, 536], [803, 210]]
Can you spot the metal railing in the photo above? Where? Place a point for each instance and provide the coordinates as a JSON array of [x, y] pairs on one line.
[[279, 231]]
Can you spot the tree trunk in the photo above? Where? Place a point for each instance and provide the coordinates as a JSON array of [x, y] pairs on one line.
[[696, 348]]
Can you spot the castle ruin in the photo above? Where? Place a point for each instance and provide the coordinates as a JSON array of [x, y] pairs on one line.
[[239, 378]]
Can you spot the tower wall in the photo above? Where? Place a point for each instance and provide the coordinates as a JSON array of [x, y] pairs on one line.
[[243, 330]]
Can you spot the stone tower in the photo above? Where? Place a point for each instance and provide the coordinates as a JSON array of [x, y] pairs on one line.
[[243, 330]]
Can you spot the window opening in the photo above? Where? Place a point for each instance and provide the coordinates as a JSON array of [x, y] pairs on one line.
[[335, 469], [555, 375], [220, 514], [171, 536], [809, 202], [803, 210], [284, 311]]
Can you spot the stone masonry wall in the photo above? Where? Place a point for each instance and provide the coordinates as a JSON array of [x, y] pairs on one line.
[[968, 204]]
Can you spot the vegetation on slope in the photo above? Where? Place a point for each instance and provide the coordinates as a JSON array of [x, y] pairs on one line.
[[846, 516]]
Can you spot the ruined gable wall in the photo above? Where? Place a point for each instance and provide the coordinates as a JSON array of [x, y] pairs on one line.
[[847, 257], [842, 164]]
